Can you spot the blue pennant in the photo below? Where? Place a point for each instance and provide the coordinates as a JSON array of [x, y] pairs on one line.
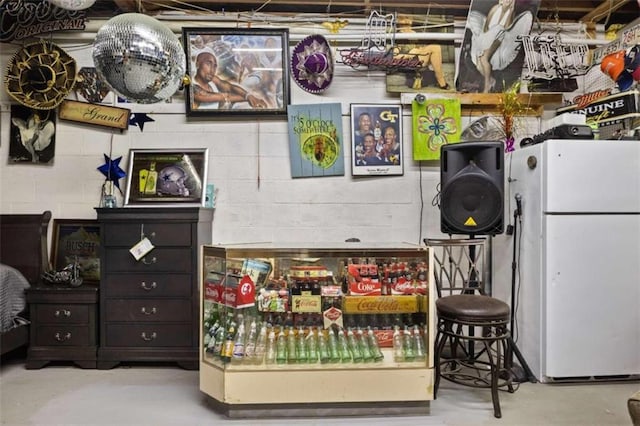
[[138, 119], [112, 171]]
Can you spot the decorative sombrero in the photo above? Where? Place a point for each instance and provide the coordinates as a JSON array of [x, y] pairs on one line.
[[312, 64], [40, 75]]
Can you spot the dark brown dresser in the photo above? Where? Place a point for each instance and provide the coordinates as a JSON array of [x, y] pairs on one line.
[[149, 307], [63, 325]]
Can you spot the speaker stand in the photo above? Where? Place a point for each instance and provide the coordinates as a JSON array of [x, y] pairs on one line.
[[519, 373]]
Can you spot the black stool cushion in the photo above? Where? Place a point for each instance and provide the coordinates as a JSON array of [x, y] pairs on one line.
[[470, 307]]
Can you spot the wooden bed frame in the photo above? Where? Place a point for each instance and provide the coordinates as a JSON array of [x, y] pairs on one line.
[[23, 246]]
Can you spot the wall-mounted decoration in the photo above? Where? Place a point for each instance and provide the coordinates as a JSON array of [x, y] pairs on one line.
[[40, 75], [140, 58], [376, 140], [97, 115], [491, 55], [315, 140], [77, 240], [436, 122], [33, 135], [237, 71], [90, 86], [312, 64], [166, 177], [26, 18]]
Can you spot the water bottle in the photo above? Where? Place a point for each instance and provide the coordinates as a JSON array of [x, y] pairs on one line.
[[407, 345], [312, 346], [343, 348], [281, 348], [398, 344], [270, 356], [354, 348], [301, 346], [250, 343], [374, 346], [261, 345], [418, 344]]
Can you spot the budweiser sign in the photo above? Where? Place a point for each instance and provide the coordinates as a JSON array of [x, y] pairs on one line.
[[383, 61]]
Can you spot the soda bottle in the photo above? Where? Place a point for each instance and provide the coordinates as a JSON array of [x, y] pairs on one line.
[[261, 345], [374, 346], [398, 343], [333, 346], [407, 345], [218, 341], [229, 342], [312, 346], [250, 343], [354, 348], [323, 348], [418, 343], [270, 356], [292, 350], [281, 348], [302, 347], [363, 344], [343, 347]]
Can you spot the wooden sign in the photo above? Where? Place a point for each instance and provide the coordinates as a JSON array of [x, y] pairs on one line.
[[99, 115]]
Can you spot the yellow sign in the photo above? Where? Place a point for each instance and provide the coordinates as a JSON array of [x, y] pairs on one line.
[[470, 222], [380, 304], [99, 115], [306, 303]]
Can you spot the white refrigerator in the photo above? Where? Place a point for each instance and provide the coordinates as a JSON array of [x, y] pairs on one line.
[[578, 275]]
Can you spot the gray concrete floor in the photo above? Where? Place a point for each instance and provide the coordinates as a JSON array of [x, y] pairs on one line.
[[168, 395]]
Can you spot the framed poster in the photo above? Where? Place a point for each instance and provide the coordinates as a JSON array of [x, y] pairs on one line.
[[376, 139], [237, 71], [168, 177], [77, 239]]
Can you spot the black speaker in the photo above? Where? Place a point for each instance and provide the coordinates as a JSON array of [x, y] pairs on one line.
[[472, 188]]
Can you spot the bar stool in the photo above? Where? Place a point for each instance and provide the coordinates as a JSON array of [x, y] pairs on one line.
[[468, 319]]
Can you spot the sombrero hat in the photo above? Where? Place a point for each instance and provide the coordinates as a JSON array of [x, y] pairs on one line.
[[312, 64], [40, 75]]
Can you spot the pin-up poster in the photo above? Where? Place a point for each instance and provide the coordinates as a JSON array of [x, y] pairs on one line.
[[315, 140], [436, 122]]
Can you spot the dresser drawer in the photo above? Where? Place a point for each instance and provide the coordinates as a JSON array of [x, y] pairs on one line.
[[151, 310], [160, 234], [63, 335], [158, 260], [61, 314], [148, 335], [148, 285]]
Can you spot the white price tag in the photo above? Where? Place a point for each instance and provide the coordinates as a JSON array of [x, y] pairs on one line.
[[141, 248]]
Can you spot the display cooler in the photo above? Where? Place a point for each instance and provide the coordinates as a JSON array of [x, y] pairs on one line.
[[301, 330]]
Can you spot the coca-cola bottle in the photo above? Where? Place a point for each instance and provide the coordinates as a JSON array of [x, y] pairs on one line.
[[398, 344], [302, 351], [261, 345], [292, 352], [407, 345], [343, 347], [270, 355], [312, 346], [363, 345], [239, 344], [418, 344], [250, 342], [333, 345], [354, 347], [281, 348], [374, 346]]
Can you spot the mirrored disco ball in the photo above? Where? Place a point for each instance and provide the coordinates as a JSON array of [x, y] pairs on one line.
[[73, 4], [139, 58]]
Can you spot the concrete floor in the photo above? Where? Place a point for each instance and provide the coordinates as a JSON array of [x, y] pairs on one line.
[[168, 395]]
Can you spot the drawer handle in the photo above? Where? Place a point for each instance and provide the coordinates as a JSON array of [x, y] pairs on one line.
[[150, 262], [151, 312], [62, 312], [62, 338], [144, 286], [150, 338]]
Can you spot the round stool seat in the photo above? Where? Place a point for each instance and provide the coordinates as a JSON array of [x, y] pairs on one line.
[[472, 307]]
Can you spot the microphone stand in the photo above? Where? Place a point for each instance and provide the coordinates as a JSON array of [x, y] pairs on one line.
[[519, 373]]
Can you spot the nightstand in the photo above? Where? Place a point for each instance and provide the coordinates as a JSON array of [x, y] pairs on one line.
[[63, 325]]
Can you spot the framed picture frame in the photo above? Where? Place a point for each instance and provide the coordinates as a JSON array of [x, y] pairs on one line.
[[166, 177], [237, 72], [376, 140], [77, 239]]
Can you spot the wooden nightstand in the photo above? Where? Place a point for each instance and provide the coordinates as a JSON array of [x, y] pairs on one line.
[[63, 325]]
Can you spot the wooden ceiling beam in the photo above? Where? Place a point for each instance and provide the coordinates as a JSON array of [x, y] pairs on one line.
[[603, 10]]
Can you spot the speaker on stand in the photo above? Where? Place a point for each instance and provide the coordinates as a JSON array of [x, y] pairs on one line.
[[472, 203]]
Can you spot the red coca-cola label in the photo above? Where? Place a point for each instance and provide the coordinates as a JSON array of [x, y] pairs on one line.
[[403, 286], [213, 292], [246, 292], [385, 338], [366, 287]]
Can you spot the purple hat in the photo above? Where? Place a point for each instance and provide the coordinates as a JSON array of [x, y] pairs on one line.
[[312, 64]]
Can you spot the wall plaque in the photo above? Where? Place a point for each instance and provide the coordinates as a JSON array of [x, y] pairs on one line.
[[99, 115]]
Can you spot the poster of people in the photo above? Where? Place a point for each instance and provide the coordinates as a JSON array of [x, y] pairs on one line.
[[491, 55], [376, 140], [315, 140]]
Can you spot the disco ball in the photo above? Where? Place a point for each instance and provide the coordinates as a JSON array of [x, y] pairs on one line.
[[73, 4], [139, 58]]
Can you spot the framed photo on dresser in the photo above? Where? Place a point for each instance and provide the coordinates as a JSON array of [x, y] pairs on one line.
[[166, 177], [77, 239]]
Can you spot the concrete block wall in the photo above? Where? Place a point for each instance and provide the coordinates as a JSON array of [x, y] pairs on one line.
[[257, 200]]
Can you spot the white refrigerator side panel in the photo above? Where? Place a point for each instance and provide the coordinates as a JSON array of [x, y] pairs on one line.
[[592, 292], [592, 176]]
